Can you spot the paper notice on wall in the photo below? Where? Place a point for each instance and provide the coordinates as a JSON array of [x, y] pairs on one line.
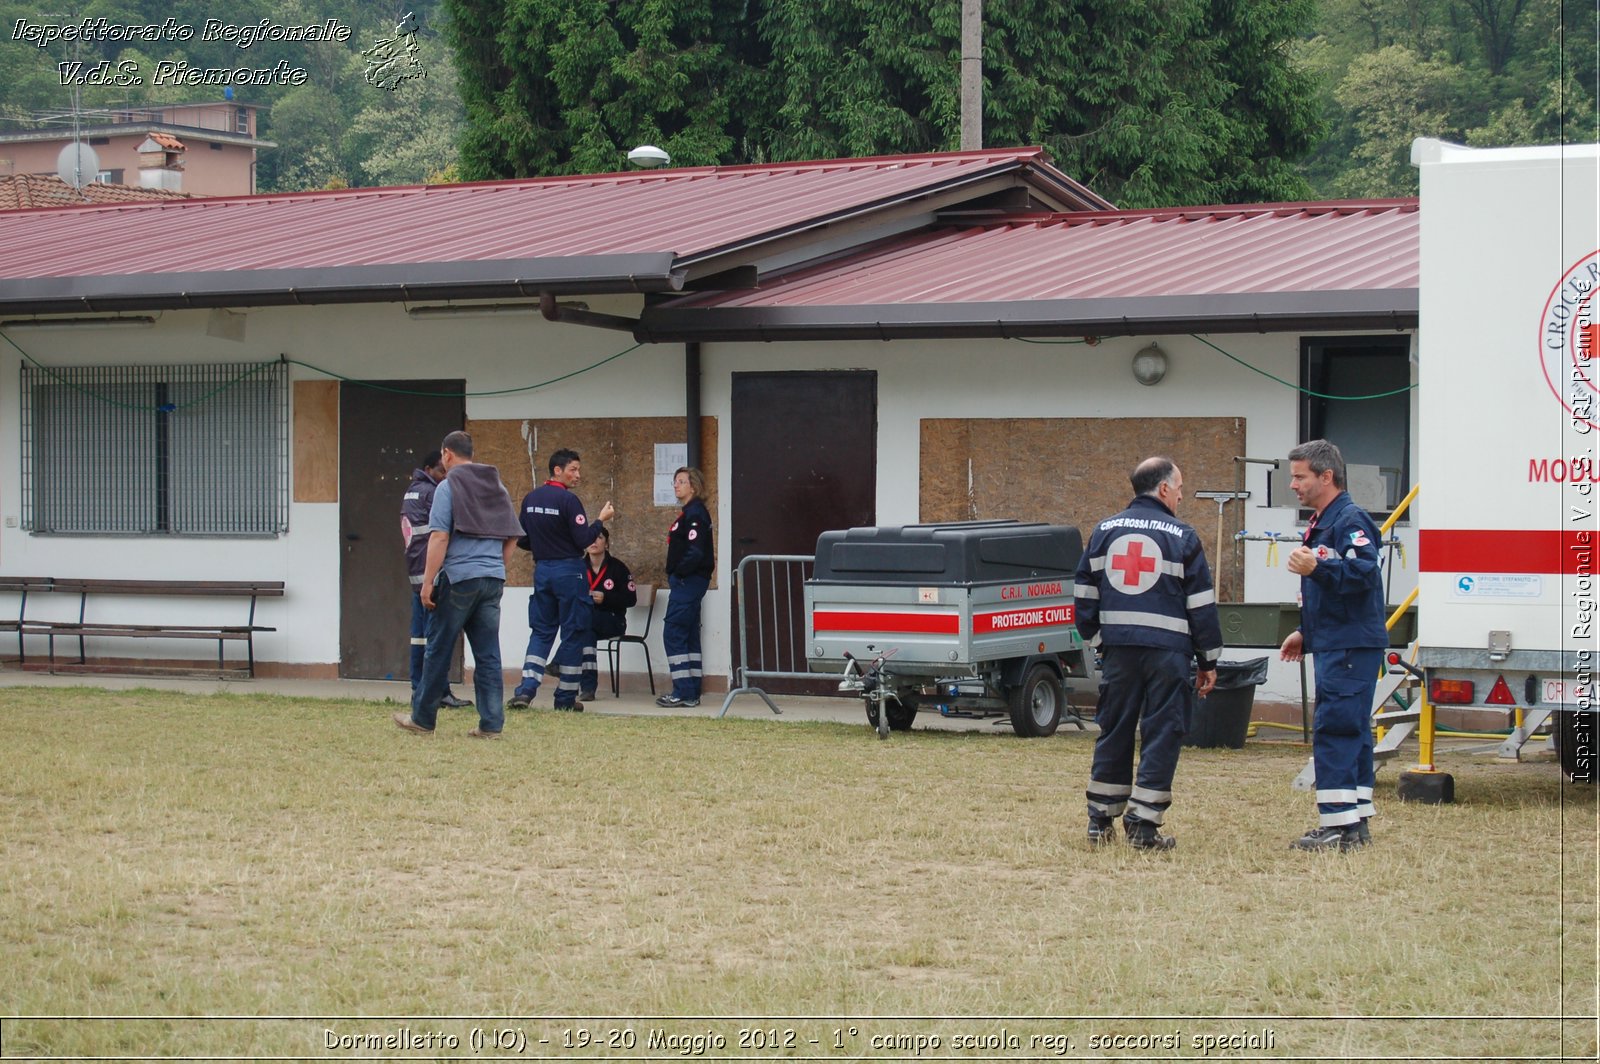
[[670, 457]]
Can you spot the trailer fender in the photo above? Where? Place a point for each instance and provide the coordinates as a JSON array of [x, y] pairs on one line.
[[1012, 670]]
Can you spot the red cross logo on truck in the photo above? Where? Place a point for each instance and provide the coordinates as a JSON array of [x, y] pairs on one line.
[[1134, 563], [1568, 333]]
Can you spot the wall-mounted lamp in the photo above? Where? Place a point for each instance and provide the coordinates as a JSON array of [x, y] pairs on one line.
[[78, 323], [1150, 365]]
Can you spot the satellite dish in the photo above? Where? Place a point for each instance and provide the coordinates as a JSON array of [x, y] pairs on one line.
[[648, 156], [77, 164]]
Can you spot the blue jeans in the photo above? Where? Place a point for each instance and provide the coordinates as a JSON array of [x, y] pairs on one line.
[[560, 601], [473, 607], [421, 616], [680, 634]]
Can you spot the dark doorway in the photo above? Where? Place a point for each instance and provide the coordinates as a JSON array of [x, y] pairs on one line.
[[382, 435], [805, 460]]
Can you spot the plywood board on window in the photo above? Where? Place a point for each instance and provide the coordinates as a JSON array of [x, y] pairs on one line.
[[316, 441], [618, 456], [1075, 471]]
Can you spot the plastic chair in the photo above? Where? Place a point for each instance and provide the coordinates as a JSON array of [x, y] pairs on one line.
[[613, 648]]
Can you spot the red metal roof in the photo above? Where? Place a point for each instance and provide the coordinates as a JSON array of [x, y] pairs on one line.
[[1108, 270], [678, 215], [1300, 247]]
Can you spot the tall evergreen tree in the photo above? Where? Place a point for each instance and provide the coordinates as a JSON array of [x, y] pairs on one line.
[[568, 86], [1150, 101]]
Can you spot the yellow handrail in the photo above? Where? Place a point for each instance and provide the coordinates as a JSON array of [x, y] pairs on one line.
[[1399, 511]]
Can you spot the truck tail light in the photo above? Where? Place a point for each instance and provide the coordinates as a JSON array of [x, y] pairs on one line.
[[1450, 692], [1500, 693]]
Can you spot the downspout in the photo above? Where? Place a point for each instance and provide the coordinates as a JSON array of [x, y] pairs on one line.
[[691, 400]]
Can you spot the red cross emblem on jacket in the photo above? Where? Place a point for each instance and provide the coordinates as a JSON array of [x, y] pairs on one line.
[[1134, 564]]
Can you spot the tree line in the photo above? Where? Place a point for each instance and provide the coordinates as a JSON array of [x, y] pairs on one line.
[[1149, 102]]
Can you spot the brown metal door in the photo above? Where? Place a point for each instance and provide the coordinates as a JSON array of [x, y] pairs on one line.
[[805, 459], [382, 435]]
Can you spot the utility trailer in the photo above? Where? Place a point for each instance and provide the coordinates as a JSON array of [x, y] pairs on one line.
[[1507, 448], [976, 617]]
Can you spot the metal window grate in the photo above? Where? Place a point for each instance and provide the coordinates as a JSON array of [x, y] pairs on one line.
[[191, 450]]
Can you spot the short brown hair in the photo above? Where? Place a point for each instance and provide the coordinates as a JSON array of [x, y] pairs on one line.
[[697, 479], [1321, 456]]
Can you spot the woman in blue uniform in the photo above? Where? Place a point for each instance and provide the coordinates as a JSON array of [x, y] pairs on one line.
[[691, 559]]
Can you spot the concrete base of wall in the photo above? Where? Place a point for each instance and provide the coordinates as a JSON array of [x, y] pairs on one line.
[[628, 683], [233, 669]]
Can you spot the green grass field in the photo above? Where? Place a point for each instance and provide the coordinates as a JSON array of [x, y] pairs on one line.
[[168, 857]]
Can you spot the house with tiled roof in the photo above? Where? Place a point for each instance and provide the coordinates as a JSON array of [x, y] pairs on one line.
[[27, 191], [205, 149], [836, 343]]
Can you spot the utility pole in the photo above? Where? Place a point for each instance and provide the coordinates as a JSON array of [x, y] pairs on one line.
[[971, 75]]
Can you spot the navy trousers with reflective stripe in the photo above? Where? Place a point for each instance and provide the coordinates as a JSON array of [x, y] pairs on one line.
[[560, 602], [1341, 733], [1148, 691], [680, 634]]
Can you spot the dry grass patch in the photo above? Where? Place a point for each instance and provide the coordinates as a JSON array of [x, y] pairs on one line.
[[238, 855]]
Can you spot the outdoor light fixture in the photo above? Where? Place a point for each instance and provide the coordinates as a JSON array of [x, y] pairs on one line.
[[78, 323], [1150, 365], [648, 157]]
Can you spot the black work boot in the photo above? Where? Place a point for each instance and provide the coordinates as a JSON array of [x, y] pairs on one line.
[[1143, 835], [1343, 837], [1102, 830], [1364, 831]]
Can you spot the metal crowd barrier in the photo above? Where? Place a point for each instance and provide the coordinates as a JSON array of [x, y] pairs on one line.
[[770, 592]]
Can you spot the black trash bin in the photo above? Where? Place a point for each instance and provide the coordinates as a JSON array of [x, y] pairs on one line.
[[1223, 717]]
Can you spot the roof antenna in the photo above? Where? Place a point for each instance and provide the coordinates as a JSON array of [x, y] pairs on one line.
[[77, 157]]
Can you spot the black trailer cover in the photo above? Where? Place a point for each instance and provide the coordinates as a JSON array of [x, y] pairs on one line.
[[963, 552]]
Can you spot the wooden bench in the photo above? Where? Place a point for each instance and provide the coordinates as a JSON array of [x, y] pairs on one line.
[[82, 628]]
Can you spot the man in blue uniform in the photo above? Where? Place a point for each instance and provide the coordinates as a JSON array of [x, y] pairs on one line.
[[1342, 624], [414, 529], [557, 532], [1143, 596]]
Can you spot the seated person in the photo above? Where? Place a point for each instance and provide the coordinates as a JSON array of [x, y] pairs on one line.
[[611, 588]]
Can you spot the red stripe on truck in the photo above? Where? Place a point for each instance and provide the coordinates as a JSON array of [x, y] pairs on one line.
[[1471, 550], [895, 623]]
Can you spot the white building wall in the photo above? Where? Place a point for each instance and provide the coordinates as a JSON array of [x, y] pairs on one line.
[[1017, 379], [916, 379]]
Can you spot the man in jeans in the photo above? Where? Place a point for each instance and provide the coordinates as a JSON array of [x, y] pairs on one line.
[[415, 506], [473, 531]]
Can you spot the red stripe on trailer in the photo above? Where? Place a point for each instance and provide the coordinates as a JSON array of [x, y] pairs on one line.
[[1472, 550], [896, 623], [1019, 620]]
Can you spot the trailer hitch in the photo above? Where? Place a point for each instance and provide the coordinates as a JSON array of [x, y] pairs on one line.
[[871, 682]]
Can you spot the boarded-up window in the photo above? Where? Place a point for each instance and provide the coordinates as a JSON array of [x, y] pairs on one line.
[[1074, 471]]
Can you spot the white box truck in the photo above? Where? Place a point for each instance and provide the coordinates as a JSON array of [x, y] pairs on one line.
[[1509, 424]]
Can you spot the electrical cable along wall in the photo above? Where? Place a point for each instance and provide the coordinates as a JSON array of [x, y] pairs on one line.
[[188, 450]]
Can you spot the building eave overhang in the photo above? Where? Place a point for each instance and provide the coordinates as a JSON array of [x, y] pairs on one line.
[[1386, 309], [402, 282], [128, 129]]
